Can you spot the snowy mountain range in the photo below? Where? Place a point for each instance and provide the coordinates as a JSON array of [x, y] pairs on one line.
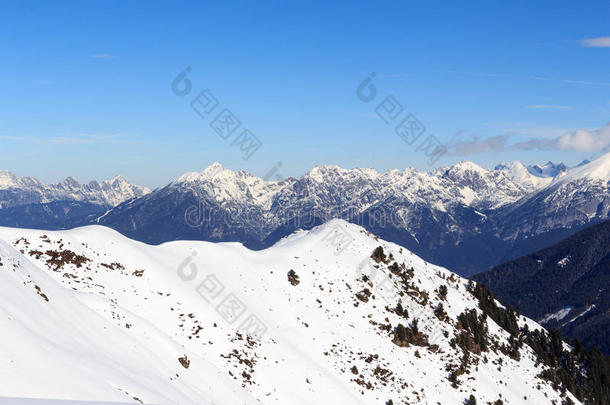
[[15, 191], [27, 203], [464, 217], [331, 315]]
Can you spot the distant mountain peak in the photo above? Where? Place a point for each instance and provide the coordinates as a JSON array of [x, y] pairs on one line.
[[7, 179], [467, 165], [118, 178], [549, 169], [213, 169], [70, 182], [213, 172]]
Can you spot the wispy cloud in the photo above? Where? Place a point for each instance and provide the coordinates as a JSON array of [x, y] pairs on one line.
[[530, 77], [541, 78], [587, 83], [84, 139], [11, 138], [529, 131], [601, 42], [484, 74], [547, 107], [480, 145], [579, 140], [70, 139], [102, 56]]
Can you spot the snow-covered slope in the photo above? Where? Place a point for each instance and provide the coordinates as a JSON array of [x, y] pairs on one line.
[[89, 314], [16, 191], [58, 343]]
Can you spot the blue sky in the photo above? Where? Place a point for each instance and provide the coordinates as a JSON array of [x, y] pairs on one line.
[[86, 86]]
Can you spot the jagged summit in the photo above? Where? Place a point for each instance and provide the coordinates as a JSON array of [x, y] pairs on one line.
[[213, 169], [118, 179], [468, 166], [549, 169], [10, 180], [212, 173], [69, 183]]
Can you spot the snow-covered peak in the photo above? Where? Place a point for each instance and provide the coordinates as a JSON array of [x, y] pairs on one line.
[[227, 186], [118, 179], [69, 183], [118, 189], [549, 169], [519, 173], [213, 169], [467, 166], [9, 180], [214, 172]]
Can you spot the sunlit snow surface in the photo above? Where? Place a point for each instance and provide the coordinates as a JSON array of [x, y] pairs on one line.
[[88, 314]]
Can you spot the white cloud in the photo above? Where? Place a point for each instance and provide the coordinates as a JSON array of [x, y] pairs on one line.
[[480, 145], [585, 141], [547, 107], [601, 42], [579, 140], [529, 131]]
